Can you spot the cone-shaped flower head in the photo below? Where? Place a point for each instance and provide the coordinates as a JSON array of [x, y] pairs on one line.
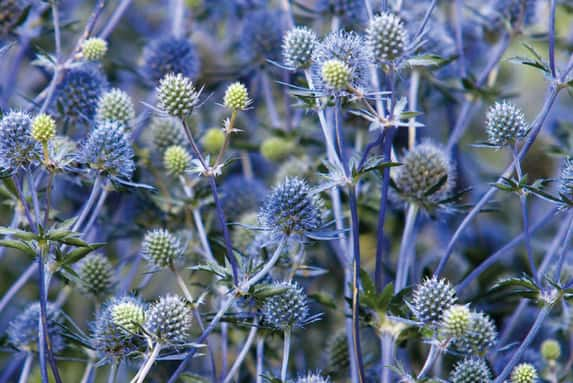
[[43, 128], [298, 45], [261, 36], [23, 330], [17, 147], [96, 275], [177, 96], [287, 309], [335, 74], [348, 48], [481, 335], [166, 132], [426, 175], [94, 49], [77, 95], [386, 37], [236, 97], [432, 298], [161, 248], [456, 321], [11, 12], [524, 373], [115, 105], [292, 209], [505, 123], [108, 151], [551, 350], [176, 160], [169, 320], [114, 332], [170, 55], [338, 355], [471, 371], [213, 140], [241, 195]]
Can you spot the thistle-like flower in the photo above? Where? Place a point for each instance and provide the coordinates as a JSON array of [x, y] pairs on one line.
[[287, 309], [108, 151], [425, 177], [298, 45], [213, 140], [94, 49], [77, 95], [18, 149], [505, 124], [176, 160], [431, 299], [11, 12], [43, 128], [386, 38], [551, 350], [480, 336], [166, 132], [335, 74], [170, 55], [351, 12], [128, 313], [261, 37], [456, 321], [169, 320], [524, 373], [23, 330], [276, 148], [292, 209], [161, 248], [96, 275], [115, 105], [241, 195], [177, 95], [115, 330], [471, 371], [236, 97], [347, 47]]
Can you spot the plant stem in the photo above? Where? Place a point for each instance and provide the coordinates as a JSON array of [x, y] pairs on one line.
[[242, 354], [430, 359], [87, 208], [388, 347], [516, 357], [226, 305], [218, 208], [286, 352], [476, 272], [269, 102], [144, 370], [113, 369], [535, 129], [88, 372], [564, 248], [16, 286], [525, 215], [404, 259], [26, 368], [260, 358]]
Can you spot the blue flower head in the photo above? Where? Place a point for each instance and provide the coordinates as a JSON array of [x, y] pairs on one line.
[[566, 179], [77, 95], [169, 320], [287, 309], [11, 12], [108, 151], [23, 330], [292, 209], [261, 37], [170, 55], [115, 330], [347, 48], [349, 11], [241, 195], [17, 147]]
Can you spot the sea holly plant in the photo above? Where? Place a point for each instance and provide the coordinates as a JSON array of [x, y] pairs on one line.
[[286, 191]]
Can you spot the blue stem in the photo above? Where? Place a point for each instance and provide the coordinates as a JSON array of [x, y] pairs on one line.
[[355, 244], [525, 344]]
